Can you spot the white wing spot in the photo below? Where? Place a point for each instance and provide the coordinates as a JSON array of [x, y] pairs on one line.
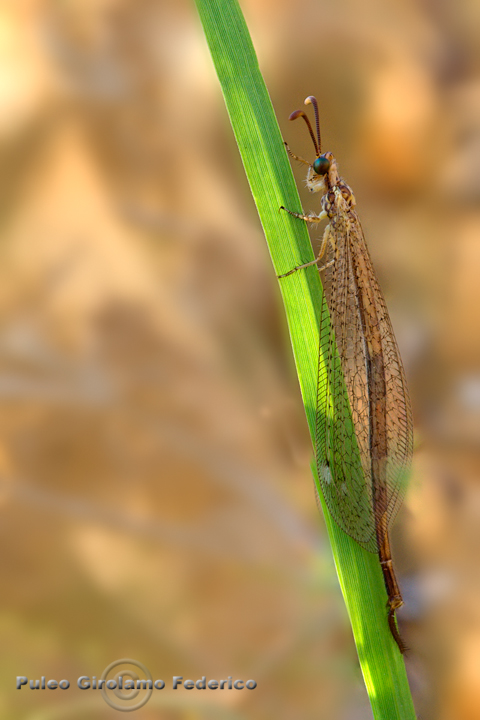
[[326, 474]]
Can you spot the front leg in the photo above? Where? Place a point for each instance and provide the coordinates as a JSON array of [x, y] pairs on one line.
[[296, 157]]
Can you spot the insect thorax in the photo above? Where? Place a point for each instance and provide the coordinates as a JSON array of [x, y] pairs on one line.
[[339, 201]]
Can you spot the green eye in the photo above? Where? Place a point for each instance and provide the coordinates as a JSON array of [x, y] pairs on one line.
[[321, 165]]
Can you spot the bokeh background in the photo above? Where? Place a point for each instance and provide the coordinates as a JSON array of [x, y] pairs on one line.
[[156, 498]]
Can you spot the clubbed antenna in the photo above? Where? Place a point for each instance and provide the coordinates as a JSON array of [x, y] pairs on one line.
[[312, 100], [300, 113]]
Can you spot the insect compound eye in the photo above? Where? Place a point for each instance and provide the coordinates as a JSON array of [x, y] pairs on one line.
[[321, 165]]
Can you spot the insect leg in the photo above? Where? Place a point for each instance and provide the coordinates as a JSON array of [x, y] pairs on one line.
[[323, 247], [326, 237], [295, 157], [308, 218]]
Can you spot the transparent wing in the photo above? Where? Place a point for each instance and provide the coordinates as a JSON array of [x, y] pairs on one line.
[[362, 473]]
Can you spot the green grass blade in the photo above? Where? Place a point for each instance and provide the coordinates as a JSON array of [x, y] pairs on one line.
[[272, 184]]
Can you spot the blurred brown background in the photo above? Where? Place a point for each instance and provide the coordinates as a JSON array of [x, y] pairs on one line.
[[156, 498]]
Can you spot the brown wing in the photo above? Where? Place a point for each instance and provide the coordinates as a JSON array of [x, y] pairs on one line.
[[349, 479]]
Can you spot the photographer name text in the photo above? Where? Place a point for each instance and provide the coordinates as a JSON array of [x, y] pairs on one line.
[[85, 682]]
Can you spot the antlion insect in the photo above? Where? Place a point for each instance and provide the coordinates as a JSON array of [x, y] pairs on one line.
[[361, 381]]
